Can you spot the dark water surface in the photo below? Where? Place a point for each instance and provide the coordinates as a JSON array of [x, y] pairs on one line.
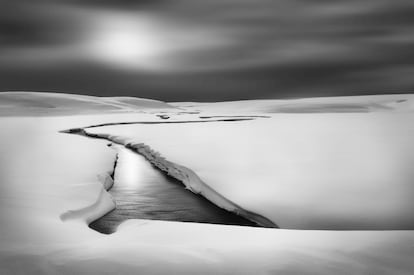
[[143, 192]]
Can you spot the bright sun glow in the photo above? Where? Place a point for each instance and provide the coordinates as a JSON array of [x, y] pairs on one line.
[[127, 45], [128, 42]]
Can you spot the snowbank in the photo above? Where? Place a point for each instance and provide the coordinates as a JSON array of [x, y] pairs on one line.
[[103, 204]]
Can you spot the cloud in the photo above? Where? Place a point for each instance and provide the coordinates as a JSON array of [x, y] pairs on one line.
[[276, 48]]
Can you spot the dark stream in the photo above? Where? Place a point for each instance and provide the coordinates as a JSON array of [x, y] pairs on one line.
[[143, 192]]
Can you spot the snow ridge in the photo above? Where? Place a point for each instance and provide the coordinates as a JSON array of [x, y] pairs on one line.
[[188, 177], [102, 205]]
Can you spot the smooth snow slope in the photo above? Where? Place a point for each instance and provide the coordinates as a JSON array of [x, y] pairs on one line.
[[349, 104], [42, 104], [44, 174]]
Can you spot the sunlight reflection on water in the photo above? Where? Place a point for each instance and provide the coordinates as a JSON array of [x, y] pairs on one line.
[[143, 192]]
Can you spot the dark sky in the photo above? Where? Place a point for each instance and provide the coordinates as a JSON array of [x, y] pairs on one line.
[[207, 50]]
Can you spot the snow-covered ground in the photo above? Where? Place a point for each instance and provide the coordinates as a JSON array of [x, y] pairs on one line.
[[49, 104], [324, 170], [301, 170]]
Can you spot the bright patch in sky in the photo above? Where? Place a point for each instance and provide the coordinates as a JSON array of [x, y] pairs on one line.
[[144, 41], [131, 43]]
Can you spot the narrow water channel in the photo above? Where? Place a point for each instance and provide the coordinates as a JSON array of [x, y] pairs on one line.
[[143, 192]]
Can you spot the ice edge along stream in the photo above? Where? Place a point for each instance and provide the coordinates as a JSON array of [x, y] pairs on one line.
[[185, 175]]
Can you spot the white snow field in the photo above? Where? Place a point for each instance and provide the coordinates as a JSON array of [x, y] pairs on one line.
[[331, 169], [43, 104]]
